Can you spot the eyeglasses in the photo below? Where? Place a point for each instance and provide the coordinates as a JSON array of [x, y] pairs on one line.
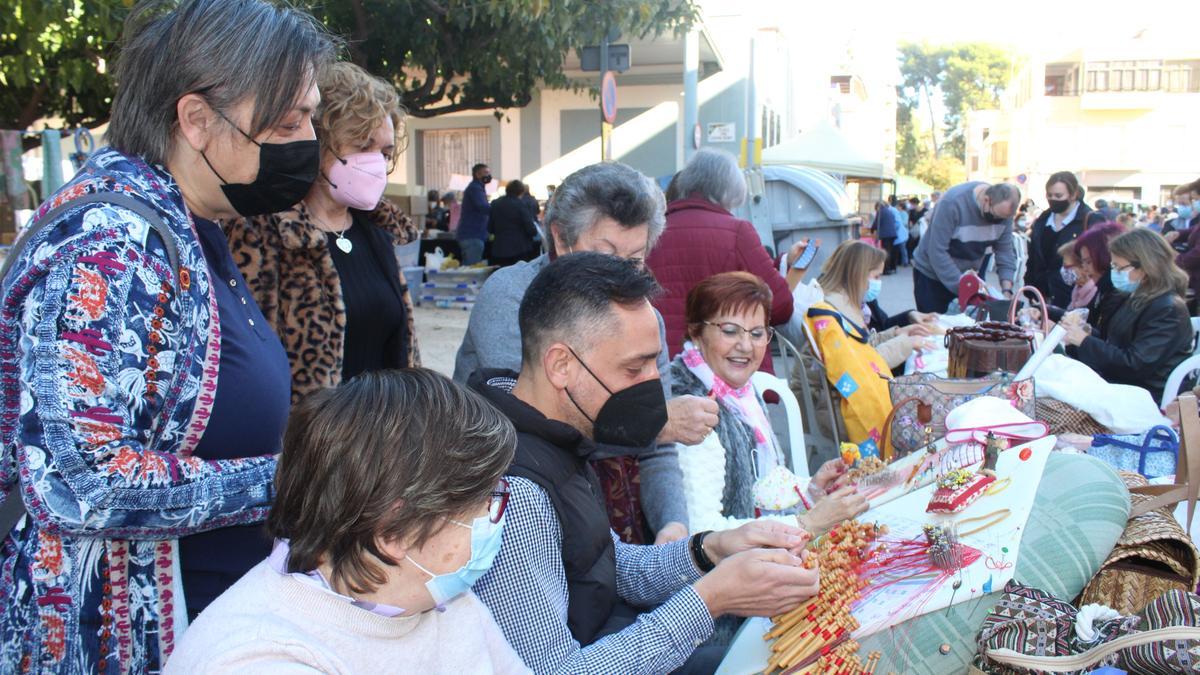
[[499, 501], [759, 335], [1118, 268]]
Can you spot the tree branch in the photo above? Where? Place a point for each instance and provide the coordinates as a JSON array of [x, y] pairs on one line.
[[436, 8]]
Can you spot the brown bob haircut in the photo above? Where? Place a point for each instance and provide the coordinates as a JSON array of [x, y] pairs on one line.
[[1069, 180], [731, 292], [390, 456]]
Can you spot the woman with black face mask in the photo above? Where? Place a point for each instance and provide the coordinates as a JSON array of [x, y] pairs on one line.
[[1059, 224], [145, 396]]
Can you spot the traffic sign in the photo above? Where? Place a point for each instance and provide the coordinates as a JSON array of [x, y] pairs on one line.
[[608, 97]]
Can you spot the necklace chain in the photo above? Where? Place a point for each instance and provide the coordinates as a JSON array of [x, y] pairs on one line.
[[342, 242]]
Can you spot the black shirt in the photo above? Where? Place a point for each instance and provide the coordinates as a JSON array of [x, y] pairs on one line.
[[376, 320]]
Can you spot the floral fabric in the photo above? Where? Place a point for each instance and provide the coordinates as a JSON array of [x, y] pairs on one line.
[[109, 361]]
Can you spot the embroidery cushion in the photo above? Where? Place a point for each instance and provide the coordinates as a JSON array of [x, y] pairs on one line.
[[958, 490]]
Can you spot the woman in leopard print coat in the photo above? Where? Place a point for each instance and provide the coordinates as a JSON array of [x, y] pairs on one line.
[[325, 274]]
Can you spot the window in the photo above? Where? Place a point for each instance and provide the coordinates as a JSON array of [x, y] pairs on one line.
[[1114, 76], [974, 162], [1062, 79], [1000, 153], [841, 83], [1182, 76]]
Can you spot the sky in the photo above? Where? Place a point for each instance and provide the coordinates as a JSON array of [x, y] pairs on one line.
[[1018, 23]]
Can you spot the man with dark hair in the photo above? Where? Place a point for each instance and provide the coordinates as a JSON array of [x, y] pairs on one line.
[[613, 209], [968, 220], [473, 222], [564, 589]]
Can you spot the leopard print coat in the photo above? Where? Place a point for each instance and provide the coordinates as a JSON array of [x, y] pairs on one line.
[[286, 261]]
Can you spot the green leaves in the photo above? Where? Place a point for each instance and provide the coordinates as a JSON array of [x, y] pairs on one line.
[[966, 76], [443, 55], [50, 56], [449, 55]]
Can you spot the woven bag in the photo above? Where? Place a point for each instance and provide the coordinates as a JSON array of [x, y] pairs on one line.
[[1029, 631], [1154, 555], [1064, 418]]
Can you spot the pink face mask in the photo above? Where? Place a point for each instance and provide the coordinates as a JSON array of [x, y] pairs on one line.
[[357, 181]]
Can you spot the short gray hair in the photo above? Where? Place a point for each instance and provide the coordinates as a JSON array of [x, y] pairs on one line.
[[1003, 193], [225, 50], [608, 189], [714, 174]]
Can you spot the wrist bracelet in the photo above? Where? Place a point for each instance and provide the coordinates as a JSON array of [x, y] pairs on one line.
[[703, 562]]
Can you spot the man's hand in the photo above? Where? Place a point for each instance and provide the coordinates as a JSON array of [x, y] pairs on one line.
[[844, 504], [690, 419], [758, 534], [758, 582], [1171, 236], [671, 532]]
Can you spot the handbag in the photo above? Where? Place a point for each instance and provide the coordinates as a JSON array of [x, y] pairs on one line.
[[922, 401], [1031, 631], [989, 346], [1154, 555], [1152, 454]]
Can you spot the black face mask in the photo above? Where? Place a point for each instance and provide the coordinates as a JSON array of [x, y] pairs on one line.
[[286, 172], [993, 218], [1059, 205], [630, 418], [485, 179]]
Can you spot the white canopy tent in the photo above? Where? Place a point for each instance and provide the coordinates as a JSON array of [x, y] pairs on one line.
[[826, 148]]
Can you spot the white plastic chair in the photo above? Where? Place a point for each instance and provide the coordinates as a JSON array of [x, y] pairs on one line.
[[1195, 335], [764, 382], [1171, 390], [1021, 249]]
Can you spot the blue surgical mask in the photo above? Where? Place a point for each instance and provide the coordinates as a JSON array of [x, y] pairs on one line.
[[486, 538], [1122, 282], [1184, 211], [874, 286]]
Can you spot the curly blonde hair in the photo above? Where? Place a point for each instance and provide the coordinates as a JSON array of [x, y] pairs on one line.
[[353, 104]]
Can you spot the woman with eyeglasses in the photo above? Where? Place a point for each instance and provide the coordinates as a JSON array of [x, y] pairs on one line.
[[1150, 332], [369, 541], [859, 359], [738, 472]]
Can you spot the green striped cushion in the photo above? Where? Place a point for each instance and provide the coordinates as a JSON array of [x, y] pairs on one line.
[[1079, 513]]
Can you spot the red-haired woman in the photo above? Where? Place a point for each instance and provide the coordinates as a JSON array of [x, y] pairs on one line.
[[738, 471]]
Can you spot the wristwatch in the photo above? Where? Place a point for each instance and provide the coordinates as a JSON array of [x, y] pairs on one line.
[[703, 562]]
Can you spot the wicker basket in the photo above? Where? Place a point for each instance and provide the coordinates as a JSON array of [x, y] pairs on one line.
[[1153, 556], [1064, 418]]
